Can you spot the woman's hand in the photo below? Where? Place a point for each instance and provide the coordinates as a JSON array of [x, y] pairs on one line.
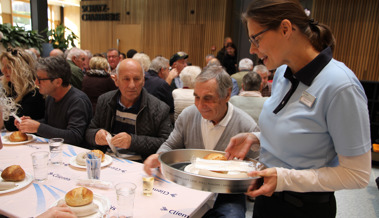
[[239, 145], [58, 211], [269, 183]]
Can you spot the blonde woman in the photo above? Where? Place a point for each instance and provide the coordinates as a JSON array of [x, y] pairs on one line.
[[97, 80], [18, 83]]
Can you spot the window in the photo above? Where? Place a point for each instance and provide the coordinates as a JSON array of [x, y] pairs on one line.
[[21, 14]]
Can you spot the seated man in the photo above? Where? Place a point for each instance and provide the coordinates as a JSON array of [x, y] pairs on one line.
[[76, 58], [155, 81], [209, 124], [250, 98], [139, 121], [68, 110], [244, 66]]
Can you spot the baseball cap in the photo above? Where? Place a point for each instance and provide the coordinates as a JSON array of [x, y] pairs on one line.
[[178, 56]]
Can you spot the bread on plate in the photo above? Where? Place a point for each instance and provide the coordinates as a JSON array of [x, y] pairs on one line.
[[18, 137], [13, 173]]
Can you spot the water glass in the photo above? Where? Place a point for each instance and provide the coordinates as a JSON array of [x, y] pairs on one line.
[[93, 163], [55, 145], [125, 199], [40, 161]]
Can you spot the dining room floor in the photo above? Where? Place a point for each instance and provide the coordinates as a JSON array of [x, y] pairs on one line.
[[352, 203]]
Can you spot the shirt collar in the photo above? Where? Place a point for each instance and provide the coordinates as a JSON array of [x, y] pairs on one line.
[[226, 119], [308, 73]]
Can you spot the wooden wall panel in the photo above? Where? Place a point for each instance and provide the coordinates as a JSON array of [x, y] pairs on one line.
[[355, 27], [166, 26]]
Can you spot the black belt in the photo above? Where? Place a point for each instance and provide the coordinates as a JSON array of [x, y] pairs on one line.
[[299, 199]]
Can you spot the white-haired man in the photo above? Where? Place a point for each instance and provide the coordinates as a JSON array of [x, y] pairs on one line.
[[244, 66], [76, 58]]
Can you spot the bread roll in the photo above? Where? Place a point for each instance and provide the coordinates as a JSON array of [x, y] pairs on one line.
[[215, 156], [79, 197], [18, 137], [13, 173], [99, 153]]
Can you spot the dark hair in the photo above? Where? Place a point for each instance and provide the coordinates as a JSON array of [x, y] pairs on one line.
[[113, 49], [270, 14], [231, 45], [251, 81], [56, 67], [131, 53]]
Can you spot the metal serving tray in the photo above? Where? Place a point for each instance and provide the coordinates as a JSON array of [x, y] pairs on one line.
[[173, 164]]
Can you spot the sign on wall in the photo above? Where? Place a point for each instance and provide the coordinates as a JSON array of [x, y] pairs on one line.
[[98, 13]]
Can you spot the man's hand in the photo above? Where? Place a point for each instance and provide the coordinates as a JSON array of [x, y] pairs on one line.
[[27, 125], [239, 145], [100, 137], [122, 140], [269, 183], [171, 75], [151, 162]]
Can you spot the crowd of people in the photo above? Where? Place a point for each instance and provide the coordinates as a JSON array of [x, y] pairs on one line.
[[299, 125]]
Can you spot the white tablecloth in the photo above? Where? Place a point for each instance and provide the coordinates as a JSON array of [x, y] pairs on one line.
[[168, 199]]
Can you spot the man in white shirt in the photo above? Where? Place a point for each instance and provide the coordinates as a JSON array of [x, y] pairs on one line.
[[209, 124]]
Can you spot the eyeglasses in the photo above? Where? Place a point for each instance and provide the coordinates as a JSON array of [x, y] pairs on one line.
[[254, 41], [39, 79], [14, 52]]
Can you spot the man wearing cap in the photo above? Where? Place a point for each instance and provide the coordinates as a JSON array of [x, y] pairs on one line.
[[244, 66], [178, 61]]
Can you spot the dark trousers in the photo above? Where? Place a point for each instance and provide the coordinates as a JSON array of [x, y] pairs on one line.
[[228, 206], [295, 204]]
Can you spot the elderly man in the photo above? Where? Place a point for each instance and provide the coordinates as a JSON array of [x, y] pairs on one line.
[[266, 86], [155, 81], [209, 124], [138, 121], [250, 98], [76, 58], [113, 57], [55, 52], [244, 66], [177, 62], [68, 110]]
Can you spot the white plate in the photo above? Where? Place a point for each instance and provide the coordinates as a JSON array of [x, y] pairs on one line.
[[28, 179], [107, 160], [5, 139], [101, 201]]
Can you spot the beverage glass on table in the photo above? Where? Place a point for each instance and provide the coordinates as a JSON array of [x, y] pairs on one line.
[[93, 163], [148, 183], [55, 145], [125, 198], [40, 161]]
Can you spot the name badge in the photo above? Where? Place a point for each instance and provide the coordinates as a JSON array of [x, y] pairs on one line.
[[307, 99]]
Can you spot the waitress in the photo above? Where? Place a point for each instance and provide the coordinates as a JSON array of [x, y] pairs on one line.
[[315, 132]]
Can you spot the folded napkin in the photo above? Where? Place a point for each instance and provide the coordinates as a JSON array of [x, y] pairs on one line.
[[222, 165], [7, 185], [95, 183], [113, 148]]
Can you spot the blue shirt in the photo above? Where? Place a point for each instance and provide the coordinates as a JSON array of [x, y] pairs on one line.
[[304, 135]]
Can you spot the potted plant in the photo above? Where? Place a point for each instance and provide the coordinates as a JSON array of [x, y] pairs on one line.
[[16, 36], [61, 37]]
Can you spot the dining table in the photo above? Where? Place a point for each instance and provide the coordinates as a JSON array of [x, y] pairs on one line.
[[31, 198]]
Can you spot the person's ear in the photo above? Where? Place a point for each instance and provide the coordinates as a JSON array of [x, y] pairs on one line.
[[286, 28], [58, 82]]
